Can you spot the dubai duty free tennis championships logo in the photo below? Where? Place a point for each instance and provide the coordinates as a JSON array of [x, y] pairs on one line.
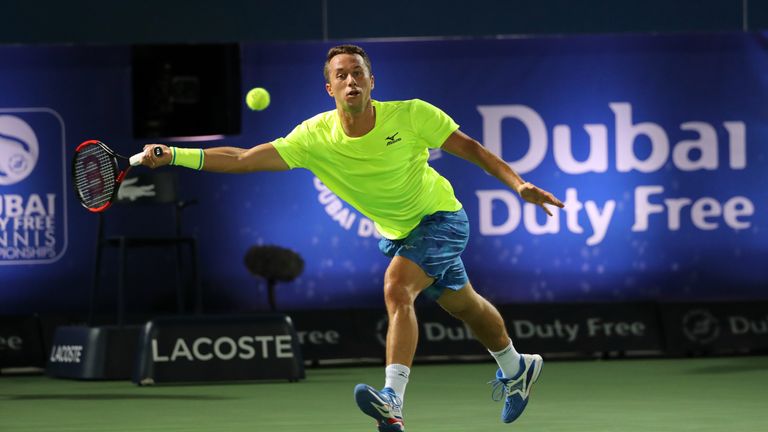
[[700, 326], [32, 186], [19, 150]]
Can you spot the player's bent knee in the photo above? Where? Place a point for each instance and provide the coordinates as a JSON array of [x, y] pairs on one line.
[[396, 294]]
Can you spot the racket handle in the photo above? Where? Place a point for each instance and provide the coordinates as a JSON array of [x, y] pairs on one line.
[[136, 159]]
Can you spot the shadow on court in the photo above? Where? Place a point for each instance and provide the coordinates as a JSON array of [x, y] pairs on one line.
[[112, 397]]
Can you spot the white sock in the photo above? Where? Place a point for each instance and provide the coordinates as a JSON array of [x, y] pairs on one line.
[[397, 378], [508, 360]]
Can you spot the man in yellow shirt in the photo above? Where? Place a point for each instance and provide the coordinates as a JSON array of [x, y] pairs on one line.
[[374, 156]]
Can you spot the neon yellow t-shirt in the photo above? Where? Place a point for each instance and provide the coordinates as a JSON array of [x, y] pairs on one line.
[[383, 174]]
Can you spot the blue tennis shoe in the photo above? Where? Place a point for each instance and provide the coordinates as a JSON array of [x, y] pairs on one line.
[[517, 389], [384, 406]]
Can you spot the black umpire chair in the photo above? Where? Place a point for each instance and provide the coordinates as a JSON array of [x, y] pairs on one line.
[[158, 192]]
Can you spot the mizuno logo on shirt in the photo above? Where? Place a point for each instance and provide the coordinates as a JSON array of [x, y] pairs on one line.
[[391, 139]]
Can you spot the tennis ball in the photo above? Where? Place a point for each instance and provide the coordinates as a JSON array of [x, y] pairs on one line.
[[257, 99]]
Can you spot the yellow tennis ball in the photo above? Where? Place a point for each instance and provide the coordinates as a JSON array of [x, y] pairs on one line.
[[257, 99]]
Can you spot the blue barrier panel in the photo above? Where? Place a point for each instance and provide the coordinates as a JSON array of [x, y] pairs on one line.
[[715, 328], [21, 343], [576, 330], [218, 348], [82, 352]]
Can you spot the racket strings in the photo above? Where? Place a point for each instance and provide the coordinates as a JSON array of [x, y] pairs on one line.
[[95, 171]]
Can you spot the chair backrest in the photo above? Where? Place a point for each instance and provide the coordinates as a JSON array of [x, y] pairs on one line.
[[149, 188], [147, 204]]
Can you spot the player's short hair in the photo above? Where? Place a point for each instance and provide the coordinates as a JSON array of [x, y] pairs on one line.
[[345, 49]]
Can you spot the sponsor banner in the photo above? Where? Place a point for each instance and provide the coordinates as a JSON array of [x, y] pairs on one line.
[[148, 188], [21, 343], [652, 141], [362, 333], [557, 328], [715, 327], [584, 328], [218, 348], [33, 186], [442, 335], [82, 352], [340, 334], [659, 169], [45, 234]]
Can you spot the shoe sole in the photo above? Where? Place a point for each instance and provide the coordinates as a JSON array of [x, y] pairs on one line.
[[364, 401], [363, 398]]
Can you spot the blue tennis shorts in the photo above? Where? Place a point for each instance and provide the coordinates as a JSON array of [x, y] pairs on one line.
[[435, 245]]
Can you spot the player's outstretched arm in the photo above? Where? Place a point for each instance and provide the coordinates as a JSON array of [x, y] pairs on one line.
[[263, 157], [461, 145]]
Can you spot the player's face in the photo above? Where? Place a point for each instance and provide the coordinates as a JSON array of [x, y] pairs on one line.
[[350, 82]]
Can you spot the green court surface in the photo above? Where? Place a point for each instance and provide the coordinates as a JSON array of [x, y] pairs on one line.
[[697, 395]]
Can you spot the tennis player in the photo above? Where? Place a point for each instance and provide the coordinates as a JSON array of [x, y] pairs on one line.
[[374, 155]]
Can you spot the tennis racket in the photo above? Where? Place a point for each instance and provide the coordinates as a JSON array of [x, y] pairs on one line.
[[97, 175]]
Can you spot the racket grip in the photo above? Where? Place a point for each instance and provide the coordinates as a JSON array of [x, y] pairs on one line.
[[136, 159]]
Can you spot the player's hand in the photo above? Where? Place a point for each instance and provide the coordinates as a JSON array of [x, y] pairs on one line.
[[152, 161], [538, 196]]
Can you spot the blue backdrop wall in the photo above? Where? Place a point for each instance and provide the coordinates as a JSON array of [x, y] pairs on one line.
[[655, 143]]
